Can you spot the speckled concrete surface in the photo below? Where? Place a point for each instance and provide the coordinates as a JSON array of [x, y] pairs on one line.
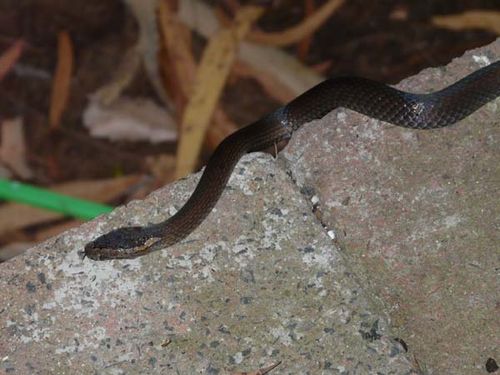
[[418, 212], [259, 282]]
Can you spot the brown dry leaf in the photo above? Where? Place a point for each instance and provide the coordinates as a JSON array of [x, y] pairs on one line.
[[62, 80], [267, 64], [13, 148], [211, 76], [473, 19], [282, 76], [10, 57], [305, 44], [262, 371], [14, 216], [177, 39], [145, 12], [296, 33], [181, 66]]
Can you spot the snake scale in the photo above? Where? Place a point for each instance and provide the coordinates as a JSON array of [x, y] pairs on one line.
[[377, 100]]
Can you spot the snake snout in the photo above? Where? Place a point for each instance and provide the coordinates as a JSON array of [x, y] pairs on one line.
[[91, 251], [118, 244]]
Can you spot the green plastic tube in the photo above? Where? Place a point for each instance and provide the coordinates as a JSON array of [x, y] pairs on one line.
[[43, 198]]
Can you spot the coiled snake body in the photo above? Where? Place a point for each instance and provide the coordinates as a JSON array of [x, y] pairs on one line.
[[374, 99]]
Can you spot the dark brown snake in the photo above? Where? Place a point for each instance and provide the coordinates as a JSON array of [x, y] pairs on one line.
[[374, 99]]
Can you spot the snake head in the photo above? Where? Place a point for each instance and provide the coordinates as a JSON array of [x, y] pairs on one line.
[[121, 243]]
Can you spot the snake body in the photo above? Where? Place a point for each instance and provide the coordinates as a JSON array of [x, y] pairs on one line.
[[371, 98]]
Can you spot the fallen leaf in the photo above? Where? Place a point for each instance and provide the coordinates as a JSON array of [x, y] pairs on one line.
[[270, 66], [145, 12], [62, 79], [298, 32], [10, 57], [216, 61], [181, 65], [473, 19], [13, 148], [305, 43], [129, 119]]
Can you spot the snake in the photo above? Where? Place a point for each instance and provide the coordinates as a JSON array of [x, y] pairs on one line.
[[371, 98]]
